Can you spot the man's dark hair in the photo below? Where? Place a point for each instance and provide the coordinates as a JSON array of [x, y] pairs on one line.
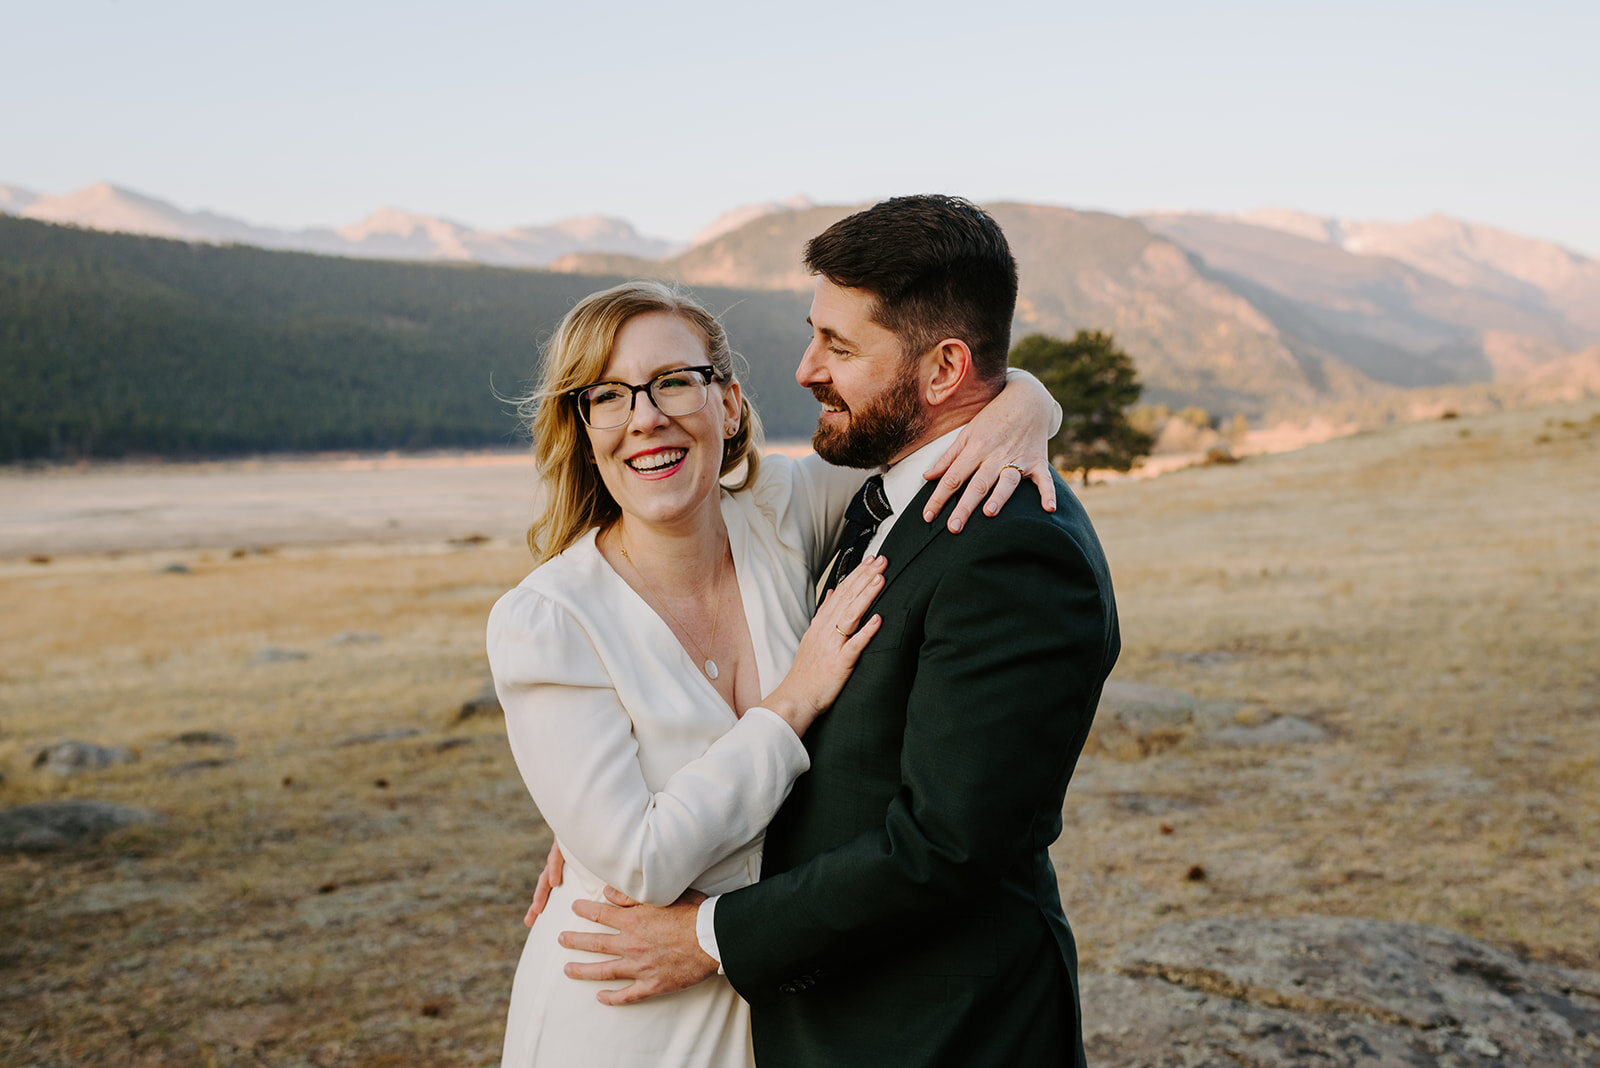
[[939, 266]]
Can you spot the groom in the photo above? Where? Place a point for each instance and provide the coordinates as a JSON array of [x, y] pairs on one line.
[[908, 912]]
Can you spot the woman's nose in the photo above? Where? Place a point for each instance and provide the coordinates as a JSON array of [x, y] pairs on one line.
[[645, 414]]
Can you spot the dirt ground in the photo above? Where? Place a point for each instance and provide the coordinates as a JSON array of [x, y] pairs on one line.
[[344, 883]]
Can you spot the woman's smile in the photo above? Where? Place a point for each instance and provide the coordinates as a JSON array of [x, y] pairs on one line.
[[661, 469], [657, 463]]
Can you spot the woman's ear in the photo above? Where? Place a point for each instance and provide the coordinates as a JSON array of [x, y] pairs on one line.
[[732, 410]]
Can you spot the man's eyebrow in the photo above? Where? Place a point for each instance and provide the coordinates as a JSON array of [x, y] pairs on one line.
[[831, 334]]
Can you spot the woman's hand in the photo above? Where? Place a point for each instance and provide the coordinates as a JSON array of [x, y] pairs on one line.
[[829, 649], [1005, 443], [549, 879]]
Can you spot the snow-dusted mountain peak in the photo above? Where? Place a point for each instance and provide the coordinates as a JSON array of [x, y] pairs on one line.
[[387, 233], [730, 221]]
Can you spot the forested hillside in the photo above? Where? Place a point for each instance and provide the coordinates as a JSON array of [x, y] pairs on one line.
[[112, 345]]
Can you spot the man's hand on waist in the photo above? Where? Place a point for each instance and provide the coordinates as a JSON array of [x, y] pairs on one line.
[[656, 947]]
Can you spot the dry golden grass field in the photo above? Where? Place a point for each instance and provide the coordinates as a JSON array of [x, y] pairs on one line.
[[323, 893]]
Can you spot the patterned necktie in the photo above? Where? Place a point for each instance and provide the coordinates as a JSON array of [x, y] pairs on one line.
[[869, 507]]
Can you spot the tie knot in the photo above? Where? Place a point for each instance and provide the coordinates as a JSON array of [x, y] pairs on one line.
[[870, 506]]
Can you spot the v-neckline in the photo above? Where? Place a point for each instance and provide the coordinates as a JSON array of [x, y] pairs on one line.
[[737, 547]]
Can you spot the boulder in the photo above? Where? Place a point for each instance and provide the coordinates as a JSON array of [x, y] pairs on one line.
[[72, 758], [48, 825], [1334, 991]]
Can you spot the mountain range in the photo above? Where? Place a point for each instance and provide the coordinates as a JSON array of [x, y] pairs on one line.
[[1242, 313], [388, 233]]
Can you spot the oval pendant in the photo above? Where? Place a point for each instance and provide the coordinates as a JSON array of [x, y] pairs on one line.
[[711, 669]]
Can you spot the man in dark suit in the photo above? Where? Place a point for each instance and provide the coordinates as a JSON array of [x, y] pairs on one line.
[[908, 912]]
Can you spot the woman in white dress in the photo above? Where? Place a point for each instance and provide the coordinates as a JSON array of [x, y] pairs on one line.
[[656, 668]]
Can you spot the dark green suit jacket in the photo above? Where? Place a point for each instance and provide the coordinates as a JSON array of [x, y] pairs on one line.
[[908, 912]]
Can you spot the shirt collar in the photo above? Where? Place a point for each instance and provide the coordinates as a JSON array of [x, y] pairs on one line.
[[903, 481]]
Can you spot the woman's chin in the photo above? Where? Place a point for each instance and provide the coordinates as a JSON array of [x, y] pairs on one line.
[[661, 506]]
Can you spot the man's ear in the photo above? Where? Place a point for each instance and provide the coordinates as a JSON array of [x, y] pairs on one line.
[[948, 364]]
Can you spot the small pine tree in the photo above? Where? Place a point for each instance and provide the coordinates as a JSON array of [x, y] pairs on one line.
[[1095, 383]]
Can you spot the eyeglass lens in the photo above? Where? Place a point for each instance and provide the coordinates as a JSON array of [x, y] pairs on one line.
[[674, 393]]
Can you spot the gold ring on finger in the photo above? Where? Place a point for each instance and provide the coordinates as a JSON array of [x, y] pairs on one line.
[[1015, 467], [841, 633]]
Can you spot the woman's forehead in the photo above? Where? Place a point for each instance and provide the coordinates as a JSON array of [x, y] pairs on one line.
[[653, 342]]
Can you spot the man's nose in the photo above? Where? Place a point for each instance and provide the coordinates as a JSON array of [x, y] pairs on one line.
[[810, 371]]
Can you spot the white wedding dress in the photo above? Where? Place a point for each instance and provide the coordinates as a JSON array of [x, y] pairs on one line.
[[649, 781]]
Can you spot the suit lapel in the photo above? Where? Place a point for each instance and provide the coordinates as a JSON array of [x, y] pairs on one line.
[[909, 536]]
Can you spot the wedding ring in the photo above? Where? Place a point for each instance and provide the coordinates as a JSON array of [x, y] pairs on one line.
[[841, 633], [1015, 467]]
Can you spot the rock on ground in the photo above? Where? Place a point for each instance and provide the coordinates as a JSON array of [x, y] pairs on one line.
[[485, 704], [48, 825], [1334, 991], [389, 734], [189, 767], [206, 738], [1285, 730], [355, 637], [1135, 720], [271, 654], [70, 758]]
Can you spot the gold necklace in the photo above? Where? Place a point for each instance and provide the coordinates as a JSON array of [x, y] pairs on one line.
[[709, 665]]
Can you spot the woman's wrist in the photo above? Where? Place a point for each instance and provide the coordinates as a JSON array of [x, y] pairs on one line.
[[797, 714]]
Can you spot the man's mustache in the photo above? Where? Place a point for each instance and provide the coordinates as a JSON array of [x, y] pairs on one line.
[[826, 395]]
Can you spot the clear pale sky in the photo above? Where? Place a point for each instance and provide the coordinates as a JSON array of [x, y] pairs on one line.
[[495, 114]]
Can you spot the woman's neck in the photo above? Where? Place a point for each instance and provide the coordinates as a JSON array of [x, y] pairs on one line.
[[676, 558]]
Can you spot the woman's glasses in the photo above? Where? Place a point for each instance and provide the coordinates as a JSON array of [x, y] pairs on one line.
[[607, 405]]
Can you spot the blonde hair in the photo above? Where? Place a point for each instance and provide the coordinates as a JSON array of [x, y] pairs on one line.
[[575, 499]]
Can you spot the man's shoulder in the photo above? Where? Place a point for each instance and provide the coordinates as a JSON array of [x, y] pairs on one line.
[[1024, 520]]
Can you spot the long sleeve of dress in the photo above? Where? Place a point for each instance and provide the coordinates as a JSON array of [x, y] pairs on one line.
[[576, 746]]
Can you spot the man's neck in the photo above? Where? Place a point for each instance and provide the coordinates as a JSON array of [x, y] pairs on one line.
[[942, 419]]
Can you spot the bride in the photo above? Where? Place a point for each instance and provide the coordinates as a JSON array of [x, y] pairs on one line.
[[660, 665]]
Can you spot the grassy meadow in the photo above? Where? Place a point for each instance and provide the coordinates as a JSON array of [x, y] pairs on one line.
[[344, 883]]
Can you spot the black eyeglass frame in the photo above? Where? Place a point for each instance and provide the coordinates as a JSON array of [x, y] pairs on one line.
[[706, 371]]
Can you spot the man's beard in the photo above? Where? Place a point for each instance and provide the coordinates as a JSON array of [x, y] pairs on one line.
[[875, 433]]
